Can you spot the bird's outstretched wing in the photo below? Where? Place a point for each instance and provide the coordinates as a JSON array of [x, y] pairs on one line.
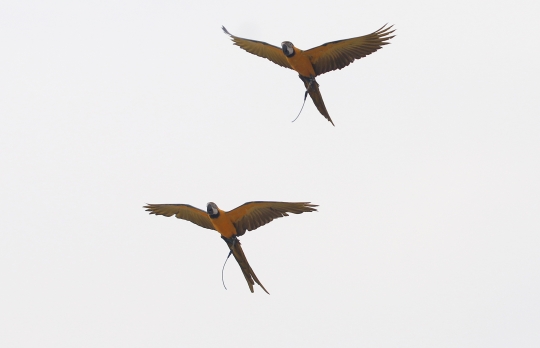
[[182, 211], [252, 215], [338, 54], [261, 49]]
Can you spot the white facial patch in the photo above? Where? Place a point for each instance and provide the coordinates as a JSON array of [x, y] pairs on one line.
[[287, 48], [211, 208]]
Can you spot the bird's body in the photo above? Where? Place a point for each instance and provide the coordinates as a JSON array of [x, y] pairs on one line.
[[223, 224], [231, 224], [301, 63], [318, 60]]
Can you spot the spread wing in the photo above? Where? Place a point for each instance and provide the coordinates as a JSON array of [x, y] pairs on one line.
[[338, 54], [252, 215], [261, 49], [182, 211]]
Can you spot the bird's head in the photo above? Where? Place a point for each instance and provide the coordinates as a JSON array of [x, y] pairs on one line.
[[212, 209], [288, 48]]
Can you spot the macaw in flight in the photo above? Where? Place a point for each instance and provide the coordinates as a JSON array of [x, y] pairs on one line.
[[234, 223], [318, 60]]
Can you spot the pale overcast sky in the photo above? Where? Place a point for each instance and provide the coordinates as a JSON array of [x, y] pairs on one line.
[[428, 187]]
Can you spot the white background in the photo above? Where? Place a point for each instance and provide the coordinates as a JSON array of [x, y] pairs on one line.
[[428, 227]]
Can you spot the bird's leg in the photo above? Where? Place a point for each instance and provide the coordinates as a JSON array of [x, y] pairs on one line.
[[230, 241], [311, 80], [308, 81]]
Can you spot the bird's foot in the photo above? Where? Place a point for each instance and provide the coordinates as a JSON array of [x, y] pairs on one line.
[[309, 81], [230, 241]]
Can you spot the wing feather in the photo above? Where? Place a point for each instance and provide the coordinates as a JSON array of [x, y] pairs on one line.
[[261, 49], [252, 215], [182, 211], [338, 54]]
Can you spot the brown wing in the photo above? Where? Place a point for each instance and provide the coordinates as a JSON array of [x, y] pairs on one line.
[[182, 211], [252, 215], [338, 54], [261, 49]]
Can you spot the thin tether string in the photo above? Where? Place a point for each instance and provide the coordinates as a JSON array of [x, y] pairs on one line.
[[305, 96], [223, 281], [304, 103]]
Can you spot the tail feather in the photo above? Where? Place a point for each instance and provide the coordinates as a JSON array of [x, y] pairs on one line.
[[316, 96], [236, 249]]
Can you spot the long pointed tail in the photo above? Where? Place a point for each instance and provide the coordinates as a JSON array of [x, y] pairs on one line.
[[313, 88], [236, 249]]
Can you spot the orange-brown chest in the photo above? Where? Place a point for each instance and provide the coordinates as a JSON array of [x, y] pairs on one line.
[[301, 63], [224, 225]]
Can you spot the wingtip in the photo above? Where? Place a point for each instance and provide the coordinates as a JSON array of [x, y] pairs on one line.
[[225, 30], [311, 206], [385, 31], [148, 208]]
